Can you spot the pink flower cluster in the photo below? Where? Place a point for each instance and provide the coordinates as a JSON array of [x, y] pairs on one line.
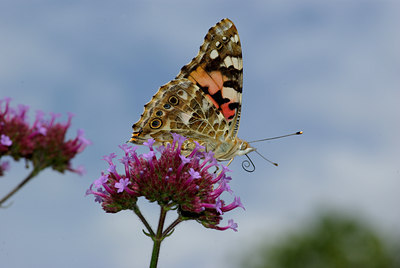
[[173, 180], [42, 143]]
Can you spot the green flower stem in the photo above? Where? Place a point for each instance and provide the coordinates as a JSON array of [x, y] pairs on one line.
[[158, 238], [143, 219], [33, 173], [168, 231]]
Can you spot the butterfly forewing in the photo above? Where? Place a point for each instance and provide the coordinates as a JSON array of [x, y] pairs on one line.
[[218, 71]]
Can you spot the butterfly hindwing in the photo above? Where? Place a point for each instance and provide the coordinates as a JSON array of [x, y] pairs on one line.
[[180, 107]]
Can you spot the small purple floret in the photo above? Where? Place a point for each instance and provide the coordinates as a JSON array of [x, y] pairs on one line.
[[149, 155], [194, 174], [122, 184], [233, 225], [5, 140], [100, 181], [109, 158], [149, 143]]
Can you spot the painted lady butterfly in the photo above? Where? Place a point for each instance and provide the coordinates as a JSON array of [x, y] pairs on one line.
[[203, 102]]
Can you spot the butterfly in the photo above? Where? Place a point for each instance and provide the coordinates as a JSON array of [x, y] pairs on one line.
[[204, 100]]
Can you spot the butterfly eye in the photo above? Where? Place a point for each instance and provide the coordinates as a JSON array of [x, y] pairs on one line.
[[159, 113], [156, 123], [173, 100], [167, 106]]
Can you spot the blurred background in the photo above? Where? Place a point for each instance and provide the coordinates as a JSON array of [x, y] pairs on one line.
[[331, 69]]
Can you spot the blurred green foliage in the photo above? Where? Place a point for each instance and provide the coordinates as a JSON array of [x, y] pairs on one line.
[[329, 241]]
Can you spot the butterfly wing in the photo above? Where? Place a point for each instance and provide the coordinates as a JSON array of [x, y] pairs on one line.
[[218, 71], [203, 102]]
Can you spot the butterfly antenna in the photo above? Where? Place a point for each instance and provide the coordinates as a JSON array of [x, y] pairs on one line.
[[248, 165], [274, 138], [278, 137], [266, 159]]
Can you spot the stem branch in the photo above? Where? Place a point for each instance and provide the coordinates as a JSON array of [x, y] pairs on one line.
[[172, 226], [143, 219], [33, 173]]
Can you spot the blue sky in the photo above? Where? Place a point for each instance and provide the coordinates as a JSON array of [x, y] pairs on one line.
[[329, 69]]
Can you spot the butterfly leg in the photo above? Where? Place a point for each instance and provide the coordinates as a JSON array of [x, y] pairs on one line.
[[230, 161]]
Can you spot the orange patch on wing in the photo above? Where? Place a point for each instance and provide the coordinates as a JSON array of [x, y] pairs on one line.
[[218, 78], [192, 79], [227, 112], [205, 80], [214, 81]]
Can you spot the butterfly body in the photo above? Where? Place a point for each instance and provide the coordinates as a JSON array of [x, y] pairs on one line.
[[203, 102]]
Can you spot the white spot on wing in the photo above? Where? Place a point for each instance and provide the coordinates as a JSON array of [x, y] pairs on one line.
[[205, 104], [185, 118], [235, 62], [183, 94], [236, 38], [228, 61], [218, 121], [230, 93], [213, 54]]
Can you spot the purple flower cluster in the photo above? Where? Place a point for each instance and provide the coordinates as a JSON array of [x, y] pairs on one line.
[[173, 180], [42, 143]]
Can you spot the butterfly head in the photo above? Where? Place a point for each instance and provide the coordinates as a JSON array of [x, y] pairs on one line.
[[244, 148]]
